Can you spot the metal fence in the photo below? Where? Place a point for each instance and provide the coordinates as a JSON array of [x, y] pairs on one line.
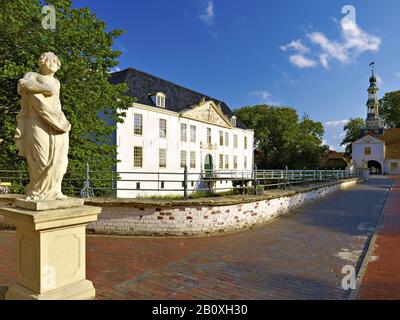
[[93, 183]]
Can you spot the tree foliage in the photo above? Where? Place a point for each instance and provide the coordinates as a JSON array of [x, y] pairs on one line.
[[390, 109], [353, 132], [282, 139], [84, 46]]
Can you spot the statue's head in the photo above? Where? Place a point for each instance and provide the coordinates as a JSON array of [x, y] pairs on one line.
[[49, 63]]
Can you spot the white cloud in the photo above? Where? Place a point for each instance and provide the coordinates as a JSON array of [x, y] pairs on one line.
[[302, 61], [330, 49], [323, 58], [207, 14], [297, 46], [356, 38], [335, 123], [353, 42], [264, 96], [339, 135]]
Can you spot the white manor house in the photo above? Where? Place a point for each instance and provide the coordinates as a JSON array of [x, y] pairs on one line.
[[170, 127]]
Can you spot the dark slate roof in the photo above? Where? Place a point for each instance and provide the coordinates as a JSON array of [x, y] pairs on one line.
[[142, 84]]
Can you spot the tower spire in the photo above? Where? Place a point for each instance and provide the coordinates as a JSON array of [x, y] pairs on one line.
[[373, 122]]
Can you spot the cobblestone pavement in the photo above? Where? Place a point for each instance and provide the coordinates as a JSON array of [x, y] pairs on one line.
[[298, 256], [382, 278]]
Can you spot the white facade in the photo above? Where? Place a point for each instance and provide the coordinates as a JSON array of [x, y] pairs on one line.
[[154, 144], [371, 149], [392, 166]]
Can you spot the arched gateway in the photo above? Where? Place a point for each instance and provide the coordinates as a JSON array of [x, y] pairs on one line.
[[374, 167]]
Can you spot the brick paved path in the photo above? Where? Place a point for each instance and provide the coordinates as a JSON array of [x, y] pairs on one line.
[[299, 256], [382, 278]]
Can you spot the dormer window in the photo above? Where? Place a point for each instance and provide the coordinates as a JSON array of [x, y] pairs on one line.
[[160, 99], [233, 121]]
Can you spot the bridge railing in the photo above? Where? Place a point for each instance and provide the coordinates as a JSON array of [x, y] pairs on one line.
[[186, 182]]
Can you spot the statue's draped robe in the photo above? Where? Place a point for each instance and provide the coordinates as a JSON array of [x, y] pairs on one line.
[[42, 137]]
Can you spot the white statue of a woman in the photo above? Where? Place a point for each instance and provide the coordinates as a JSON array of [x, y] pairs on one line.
[[42, 131]]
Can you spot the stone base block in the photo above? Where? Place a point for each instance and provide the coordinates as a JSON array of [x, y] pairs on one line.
[[82, 290], [51, 253], [41, 205]]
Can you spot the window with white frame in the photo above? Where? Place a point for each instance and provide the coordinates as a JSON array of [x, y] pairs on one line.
[[226, 139], [221, 161], [138, 124], [235, 162], [233, 121], [160, 100], [221, 138], [163, 128], [226, 161], [245, 162], [235, 141], [138, 157], [183, 132], [192, 133], [209, 140], [192, 159], [183, 158], [245, 143], [162, 155]]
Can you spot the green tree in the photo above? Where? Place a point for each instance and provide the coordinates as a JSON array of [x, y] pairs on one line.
[[281, 139], [390, 109], [308, 148], [84, 46], [353, 132]]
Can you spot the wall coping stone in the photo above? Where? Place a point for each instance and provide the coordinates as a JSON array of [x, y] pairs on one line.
[[209, 202]]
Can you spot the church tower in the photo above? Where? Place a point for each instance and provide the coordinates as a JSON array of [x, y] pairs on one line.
[[373, 123]]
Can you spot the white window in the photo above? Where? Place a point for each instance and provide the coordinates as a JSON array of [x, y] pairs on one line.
[[235, 162], [183, 132], [183, 159], [233, 121], [235, 141], [209, 140], [163, 128], [192, 133], [162, 155], [160, 100], [226, 161], [138, 124], [226, 139], [221, 161], [138, 157], [192, 159], [245, 142], [221, 138], [245, 162]]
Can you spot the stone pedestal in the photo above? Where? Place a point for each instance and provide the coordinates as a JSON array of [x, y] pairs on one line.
[[51, 250]]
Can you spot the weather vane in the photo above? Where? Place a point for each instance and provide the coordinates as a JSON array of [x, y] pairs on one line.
[[372, 65]]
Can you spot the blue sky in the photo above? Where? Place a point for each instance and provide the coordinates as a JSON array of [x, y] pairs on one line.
[[303, 54]]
